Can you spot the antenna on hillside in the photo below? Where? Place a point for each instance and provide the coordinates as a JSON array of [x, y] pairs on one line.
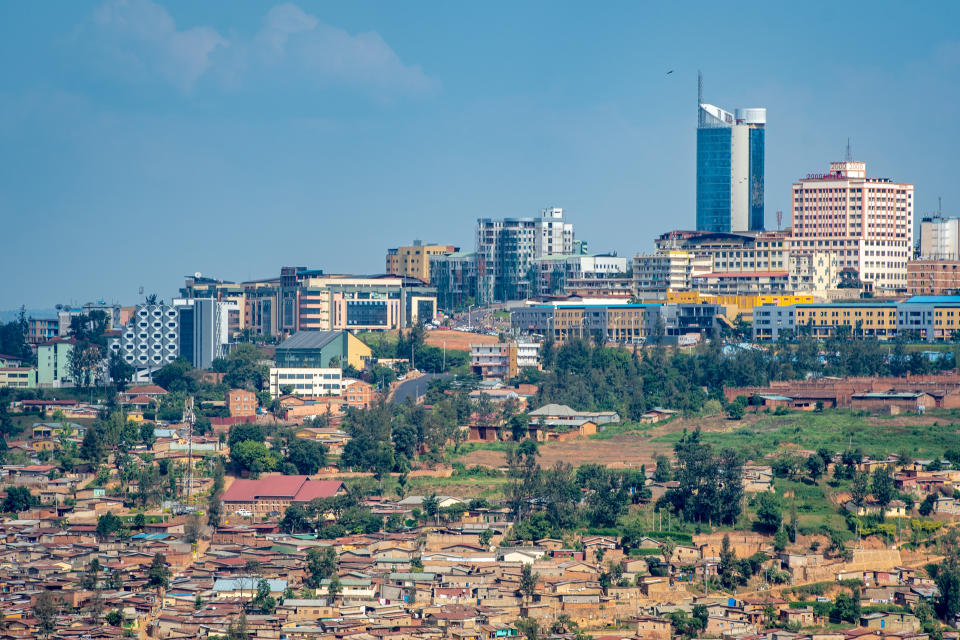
[[849, 155]]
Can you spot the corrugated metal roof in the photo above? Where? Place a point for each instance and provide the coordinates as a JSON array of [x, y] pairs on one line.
[[309, 340]]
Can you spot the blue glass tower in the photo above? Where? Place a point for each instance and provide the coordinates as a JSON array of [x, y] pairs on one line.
[[730, 151]]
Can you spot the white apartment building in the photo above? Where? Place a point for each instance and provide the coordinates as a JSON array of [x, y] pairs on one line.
[[674, 270], [940, 238], [307, 381], [507, 246], [866, 222], [816, 272]]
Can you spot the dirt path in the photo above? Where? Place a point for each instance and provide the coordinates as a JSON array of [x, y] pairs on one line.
[[622, 450]]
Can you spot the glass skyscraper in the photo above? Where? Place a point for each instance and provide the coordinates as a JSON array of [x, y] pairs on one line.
[[730, 150]]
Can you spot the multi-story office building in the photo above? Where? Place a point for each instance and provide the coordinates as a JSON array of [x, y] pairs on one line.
[[414, 260], [667, 270], [506, 247], [940, 238], [554, 275], [256, 302], [866, 222], [730, 171], [313, 301], [734, 252], [309, 300], [195, 329], [933, 277], [626, 323], [454, 276], [304, 381]]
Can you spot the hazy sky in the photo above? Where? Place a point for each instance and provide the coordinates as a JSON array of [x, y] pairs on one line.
[[143, 141]]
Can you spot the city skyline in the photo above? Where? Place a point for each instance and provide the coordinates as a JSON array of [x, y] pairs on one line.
[[150, 141]]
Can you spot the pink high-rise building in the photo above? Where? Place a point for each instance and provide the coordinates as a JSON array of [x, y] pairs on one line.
[[866, 222]]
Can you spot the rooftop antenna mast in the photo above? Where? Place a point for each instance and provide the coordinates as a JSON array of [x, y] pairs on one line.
[[849, 155], [699, 93]]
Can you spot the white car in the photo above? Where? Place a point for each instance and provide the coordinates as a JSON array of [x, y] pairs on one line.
[[244, 513]]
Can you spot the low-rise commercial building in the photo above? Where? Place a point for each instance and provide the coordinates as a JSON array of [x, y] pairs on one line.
[[928, 318], [321, 349], [18, 377], [626, 323], [306, 381]]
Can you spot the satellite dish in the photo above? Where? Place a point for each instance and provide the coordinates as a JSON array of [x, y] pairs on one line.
[[197, 274]]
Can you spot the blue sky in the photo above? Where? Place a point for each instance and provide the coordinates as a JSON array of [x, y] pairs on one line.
[[143, 141]]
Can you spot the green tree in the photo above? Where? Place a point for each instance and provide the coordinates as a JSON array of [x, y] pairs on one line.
[[333, 586], [295, 519], [252, 457], [147, 436], [321, 564], [519, 426], [815, 467], [263, 601], [46, 608], [846, 607], [881, 485], [18, 499], [431, 506], [780, 540], [308, 456], [948, 583], [859, 487], [769, 512], [663, 471], [91, 576], [120, 372], [528, 581], [158, 574], [107, 525], [115, 618], [91, 447]]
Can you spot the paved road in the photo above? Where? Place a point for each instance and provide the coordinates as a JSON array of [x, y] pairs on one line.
[[415, 388]]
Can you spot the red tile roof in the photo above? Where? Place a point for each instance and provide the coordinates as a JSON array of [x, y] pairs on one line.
[[144, 389], [317, 489], [272, 486]]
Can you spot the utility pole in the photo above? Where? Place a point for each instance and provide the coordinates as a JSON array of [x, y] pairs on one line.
[[189, 418]]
